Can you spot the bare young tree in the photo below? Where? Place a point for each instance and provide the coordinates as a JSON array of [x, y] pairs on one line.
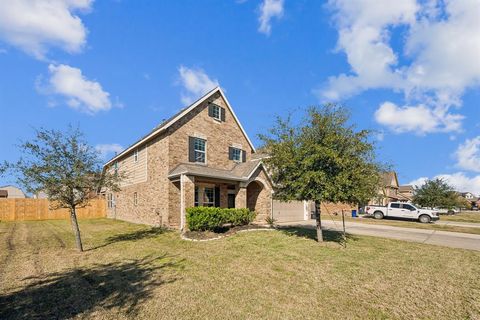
[[66, 168]]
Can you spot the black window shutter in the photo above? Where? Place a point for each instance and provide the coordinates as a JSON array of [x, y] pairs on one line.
[[217, 197], [244, 156], [210, 110], [222, 115], [230, 153], [191, 149]]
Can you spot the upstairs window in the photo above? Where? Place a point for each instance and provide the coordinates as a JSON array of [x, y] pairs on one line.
[[197, 150], [236, 154], [115, 167], [135, 155], [216, 112]]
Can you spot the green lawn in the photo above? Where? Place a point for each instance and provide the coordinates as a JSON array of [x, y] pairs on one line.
[[136, 272]]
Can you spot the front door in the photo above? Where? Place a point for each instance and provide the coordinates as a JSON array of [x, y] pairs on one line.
[[231, 200]]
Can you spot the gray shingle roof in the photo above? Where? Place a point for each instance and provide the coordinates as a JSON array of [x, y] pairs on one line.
[[241, 171]]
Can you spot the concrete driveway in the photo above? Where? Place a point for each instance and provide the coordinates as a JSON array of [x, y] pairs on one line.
[[441, 238]]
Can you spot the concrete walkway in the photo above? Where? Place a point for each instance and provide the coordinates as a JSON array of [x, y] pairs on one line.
[[441, 238]]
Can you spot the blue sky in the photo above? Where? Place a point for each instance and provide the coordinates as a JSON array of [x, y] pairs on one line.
[[407, 69]]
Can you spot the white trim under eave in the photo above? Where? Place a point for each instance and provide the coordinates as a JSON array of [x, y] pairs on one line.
[[264, 170], [181, 115]]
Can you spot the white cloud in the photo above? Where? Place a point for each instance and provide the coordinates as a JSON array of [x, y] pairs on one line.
[[107, 150], [458, 180], [79, 92], [419, 119], [36, 25], [195, 83], [268, 10], [441, 50], [468, 155], [418, 182]]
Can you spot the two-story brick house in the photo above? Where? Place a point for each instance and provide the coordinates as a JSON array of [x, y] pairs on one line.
[[201, 156]]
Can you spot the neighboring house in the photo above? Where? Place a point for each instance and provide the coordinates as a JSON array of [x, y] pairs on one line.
[[406, 193], [473, 201], [11, 192], [468, 195], [388, 190], [201, 156]]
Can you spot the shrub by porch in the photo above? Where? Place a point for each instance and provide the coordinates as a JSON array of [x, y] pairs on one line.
[[213, 218]]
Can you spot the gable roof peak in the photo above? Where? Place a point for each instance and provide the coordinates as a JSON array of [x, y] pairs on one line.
[[167, 123]]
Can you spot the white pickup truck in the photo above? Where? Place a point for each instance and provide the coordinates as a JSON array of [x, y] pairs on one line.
[[402, 210]]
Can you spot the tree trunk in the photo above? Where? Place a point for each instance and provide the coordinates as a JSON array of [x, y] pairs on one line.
[[76, 230], [319, 221]]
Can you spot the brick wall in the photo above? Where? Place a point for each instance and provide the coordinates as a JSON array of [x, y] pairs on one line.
[[158, 197]]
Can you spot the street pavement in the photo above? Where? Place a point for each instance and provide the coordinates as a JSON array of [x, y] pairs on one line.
[[435, 237]]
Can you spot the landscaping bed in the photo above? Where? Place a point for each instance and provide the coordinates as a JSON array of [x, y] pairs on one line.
[[221, 233]]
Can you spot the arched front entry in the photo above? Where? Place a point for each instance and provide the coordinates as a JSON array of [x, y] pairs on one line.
[[259, 200]]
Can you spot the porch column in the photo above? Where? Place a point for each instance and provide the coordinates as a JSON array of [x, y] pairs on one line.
[[223, 195], [241, 197], [187, 197]]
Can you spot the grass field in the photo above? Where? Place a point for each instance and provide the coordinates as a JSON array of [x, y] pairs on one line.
[[136, 272], [409, 224], [469, 216]]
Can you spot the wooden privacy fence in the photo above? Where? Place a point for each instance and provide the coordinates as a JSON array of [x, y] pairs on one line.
[[38, 209]]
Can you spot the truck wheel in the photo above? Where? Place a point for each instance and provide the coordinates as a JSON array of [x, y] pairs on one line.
[[378, 215], [424, 218]]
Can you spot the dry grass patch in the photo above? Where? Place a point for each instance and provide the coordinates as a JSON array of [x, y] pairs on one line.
[[136, 272], [470, 216]]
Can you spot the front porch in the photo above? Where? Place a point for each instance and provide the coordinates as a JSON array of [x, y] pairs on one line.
[[245, 186], [200, 191]]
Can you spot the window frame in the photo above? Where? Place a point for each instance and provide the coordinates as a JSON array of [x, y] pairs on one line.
[[204, 151], [135, 199], [234, 149], [408, 206], [206, 203], [110, 200], [215, 109], [196, 202]]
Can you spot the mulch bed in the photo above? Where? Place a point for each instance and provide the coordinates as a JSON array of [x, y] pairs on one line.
[[222, 233]]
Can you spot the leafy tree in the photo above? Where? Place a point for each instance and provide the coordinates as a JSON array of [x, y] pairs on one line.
[[324, 159], [3, 168], [66, 168], [436, 193]]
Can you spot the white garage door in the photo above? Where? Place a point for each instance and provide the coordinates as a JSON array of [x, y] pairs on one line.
[[290, 211]]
